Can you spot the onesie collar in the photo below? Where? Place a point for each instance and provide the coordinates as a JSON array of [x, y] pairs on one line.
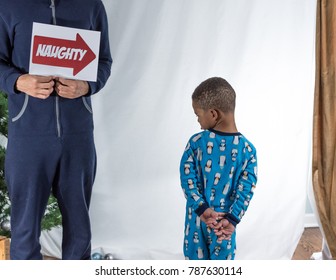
[[225, 133]]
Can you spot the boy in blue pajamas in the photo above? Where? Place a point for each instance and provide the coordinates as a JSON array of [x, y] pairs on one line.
[[218, 175], [50, 134]]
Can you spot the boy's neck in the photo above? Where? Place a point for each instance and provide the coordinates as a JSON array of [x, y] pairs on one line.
[[226, 124]]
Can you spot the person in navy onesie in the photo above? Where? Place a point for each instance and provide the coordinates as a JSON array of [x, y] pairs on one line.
[[218, 173], [50, 135]]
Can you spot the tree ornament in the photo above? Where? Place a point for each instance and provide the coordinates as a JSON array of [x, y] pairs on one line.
[[5, 225], [96, 256], [108, 256]]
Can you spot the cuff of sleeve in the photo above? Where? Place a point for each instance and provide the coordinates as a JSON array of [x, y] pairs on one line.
[[11, 82], [92, 88], [232, 219], [200, 210]]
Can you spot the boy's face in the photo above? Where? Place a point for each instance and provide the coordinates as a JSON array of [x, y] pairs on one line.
[[205, 118]]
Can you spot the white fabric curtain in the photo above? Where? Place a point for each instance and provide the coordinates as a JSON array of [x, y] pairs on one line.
[[162, 50]]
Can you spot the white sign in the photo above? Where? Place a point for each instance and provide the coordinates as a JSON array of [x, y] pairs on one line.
[[64, 52]]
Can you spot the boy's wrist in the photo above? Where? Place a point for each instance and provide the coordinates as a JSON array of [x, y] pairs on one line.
[[232, 219], [201, 209]]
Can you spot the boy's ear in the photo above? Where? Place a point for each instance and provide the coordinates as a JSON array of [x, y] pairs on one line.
[[214, 113]]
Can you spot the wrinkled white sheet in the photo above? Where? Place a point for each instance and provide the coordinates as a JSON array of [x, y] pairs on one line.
[[143, 118]]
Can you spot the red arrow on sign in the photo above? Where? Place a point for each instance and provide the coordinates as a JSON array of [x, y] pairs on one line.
[[62, 53]]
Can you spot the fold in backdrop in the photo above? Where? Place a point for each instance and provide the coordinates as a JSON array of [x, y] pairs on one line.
[[143, 119]]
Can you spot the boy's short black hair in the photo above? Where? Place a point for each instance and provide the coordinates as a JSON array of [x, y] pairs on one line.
[[215, 93]]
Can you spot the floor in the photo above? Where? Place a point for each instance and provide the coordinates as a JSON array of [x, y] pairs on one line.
[[310, 242]]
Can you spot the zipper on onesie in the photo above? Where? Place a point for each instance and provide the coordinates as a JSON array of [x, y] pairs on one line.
[[53, 11]]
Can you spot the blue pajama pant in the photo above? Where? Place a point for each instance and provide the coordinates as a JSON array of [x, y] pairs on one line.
[[37, 165], [200, 242]]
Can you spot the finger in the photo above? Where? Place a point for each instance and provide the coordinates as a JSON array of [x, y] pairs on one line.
[[42, 91], [210, 225], [211, 222], [44, 81], [225, 222], [218, 233], [51, 84], [62, 90], [221, 215], [61, 80], [45, 85], [65, 82], [40, 96], [41, 78], [215, 214], [226, 233], [218, 226]]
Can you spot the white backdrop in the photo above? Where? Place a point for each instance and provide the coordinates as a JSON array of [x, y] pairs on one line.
[[162, 49]]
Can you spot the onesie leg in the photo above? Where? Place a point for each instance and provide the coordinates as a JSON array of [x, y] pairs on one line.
[[224, 250], [200, 242], [73, 188], [195, 242], [30, 166]]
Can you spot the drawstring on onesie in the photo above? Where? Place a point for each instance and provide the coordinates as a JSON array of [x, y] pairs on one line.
[[53, 10]]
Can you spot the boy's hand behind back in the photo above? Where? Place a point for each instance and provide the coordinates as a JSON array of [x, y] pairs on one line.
[[211, 217], [224, 230]]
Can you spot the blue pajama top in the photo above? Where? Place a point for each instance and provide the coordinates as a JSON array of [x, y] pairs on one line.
[[219, 170]]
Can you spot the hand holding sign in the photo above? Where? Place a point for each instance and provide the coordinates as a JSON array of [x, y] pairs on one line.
[[42, 86], [36, 86], [71, 88]]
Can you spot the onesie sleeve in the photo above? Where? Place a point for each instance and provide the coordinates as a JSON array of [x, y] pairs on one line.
[[105, 58], [190, 182], [8, 73], [246, 184]]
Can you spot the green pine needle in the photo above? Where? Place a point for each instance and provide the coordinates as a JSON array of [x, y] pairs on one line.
[[52, 217]]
